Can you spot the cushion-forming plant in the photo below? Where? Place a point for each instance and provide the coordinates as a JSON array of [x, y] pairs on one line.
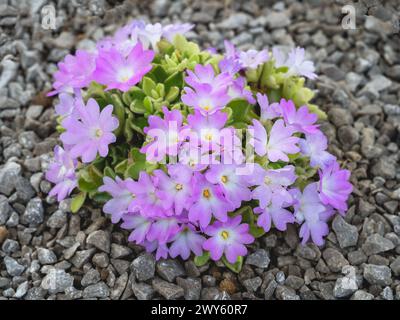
[[197, 153]]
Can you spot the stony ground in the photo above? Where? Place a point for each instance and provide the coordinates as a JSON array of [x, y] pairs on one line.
[[49, 253]]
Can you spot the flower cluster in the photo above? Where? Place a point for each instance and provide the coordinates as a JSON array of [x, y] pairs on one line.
[[194, 151]]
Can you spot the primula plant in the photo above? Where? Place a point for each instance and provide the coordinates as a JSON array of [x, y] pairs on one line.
[[197, 153]]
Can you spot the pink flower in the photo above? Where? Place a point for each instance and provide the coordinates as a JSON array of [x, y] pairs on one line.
[[296, 63], [234, 186], [62, 172], [176, 187], [205, 98], [278, 145], [272, 185], [314, 146], [276, 214], [251, 59], [91, 132], [206, 75], [164, 134], [186, 241], [228, 238], [116, 71], [139, 225], [311, 214], [334, 186], [301, 120], [268, 111], [208, 201], [123, 194], [74, 72]]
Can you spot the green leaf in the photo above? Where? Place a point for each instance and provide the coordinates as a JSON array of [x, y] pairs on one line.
[[236, 267], [109, 172], [200, 261], [121, 167], [159, 73], [77, 202], [173, 93], [240, 109], [256, 231], [148, 85], [137, 106], [100, 197], [86, 186], [174, 80], [148, 105]]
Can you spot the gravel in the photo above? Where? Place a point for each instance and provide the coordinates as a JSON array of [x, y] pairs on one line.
[[49, 253]]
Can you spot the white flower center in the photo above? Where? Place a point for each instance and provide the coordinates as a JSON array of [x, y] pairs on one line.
[[124, 74]]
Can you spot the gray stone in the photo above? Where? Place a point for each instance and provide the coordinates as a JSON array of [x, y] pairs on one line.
[[144, 267], [334, 259], [99, 290], [340, 117], [345, 287], [384, 168], [8, 175], [57, 220], [191, 287], [252, 284], [285, 293], [260, 259], [277, 20], [46, 256], [235, 21], [280, 277], [362, 295], [395, 266], [346, 234], [101, 260], [270, 289], [13, 267], [81, 257], [294, 282], [375, 244], [57, 280], [379, 275], [169, 269], [5, 210], [91, 276], [142, 291], [118, 251], [99, 239], [72, 294], [168, 290], [10, 246], [35, 293], [387, 294], [34, 212], [21, 290]]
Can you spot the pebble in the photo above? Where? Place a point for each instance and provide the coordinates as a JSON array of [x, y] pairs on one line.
[[334, 259], [99, 290], [191, 287], [143, 291], [46, 256], [379, 275], [34, 213], [346, 234], [13, 267], [99, 239], [144, 267], [90, 277], [169, 269], [168, 290], [57, 280], [260, 259], [375, 244]]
